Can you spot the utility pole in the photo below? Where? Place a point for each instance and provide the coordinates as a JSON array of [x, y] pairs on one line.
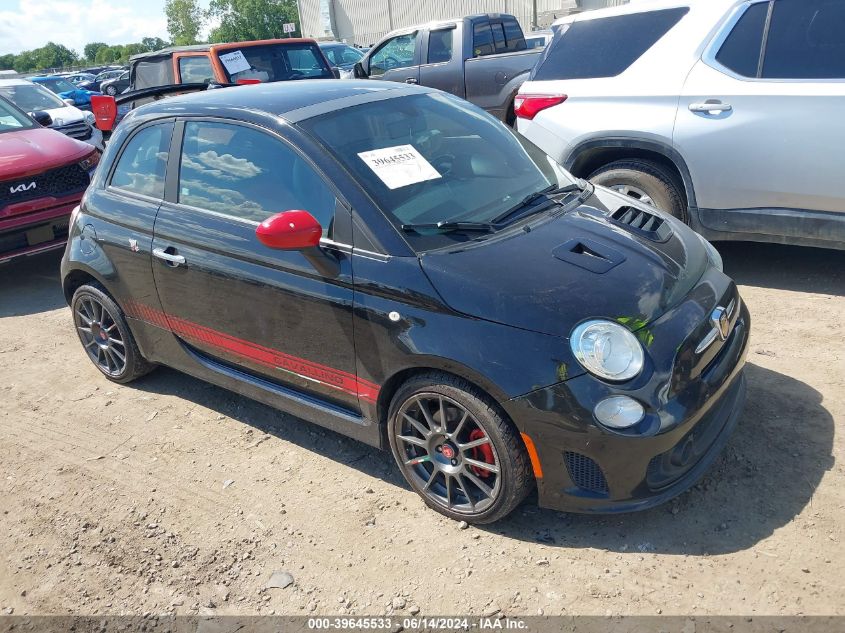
[[534, 14]]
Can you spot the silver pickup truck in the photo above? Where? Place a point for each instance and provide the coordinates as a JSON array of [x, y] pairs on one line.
[[482, 58]]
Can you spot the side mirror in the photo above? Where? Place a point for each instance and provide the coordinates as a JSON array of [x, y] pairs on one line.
[[336, 72], [42, 118], [290, 231], [360, 70], [69, 102]]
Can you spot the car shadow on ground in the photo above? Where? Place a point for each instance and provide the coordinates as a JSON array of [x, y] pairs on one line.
[[31, 285], [795, 268]]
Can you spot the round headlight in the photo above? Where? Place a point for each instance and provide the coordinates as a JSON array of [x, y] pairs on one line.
[[619, 412], [607, 350]]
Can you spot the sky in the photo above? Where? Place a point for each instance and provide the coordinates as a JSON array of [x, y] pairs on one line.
[[28, 24]]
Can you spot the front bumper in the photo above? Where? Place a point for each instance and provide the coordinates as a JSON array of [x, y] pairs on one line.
[[586, 468]]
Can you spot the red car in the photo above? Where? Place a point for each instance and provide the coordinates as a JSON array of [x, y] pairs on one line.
[[43, 174]]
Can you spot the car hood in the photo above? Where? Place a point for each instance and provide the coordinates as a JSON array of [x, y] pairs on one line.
[[27, 152], [65, 115], [568, 268]]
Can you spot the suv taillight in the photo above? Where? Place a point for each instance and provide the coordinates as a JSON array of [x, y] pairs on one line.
[[527, 106]]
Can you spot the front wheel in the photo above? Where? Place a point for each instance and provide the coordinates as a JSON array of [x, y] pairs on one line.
[[111, 91], [105, 336], [456, 450]]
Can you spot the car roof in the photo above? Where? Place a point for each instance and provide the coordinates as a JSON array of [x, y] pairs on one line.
[[203, 48], [14, 82], [640, 6], [291, 100]]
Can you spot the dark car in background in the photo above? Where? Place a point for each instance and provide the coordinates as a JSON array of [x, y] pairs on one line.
[[482, 58], [344, 251], [43, 174], [105, 76], [342, 56], [116, 84], [86, 81]]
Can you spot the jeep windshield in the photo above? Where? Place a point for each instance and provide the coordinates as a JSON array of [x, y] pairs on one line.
[[440, 168], [13, 119], [275, 62]]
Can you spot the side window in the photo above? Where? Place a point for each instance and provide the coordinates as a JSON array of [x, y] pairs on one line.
[[195, 70], [246, 173], [498, 36], [741, 50], [604, 47], [143, 162], [482, 39], [395, 53], [806, 40], [513, 35], [440, 46]]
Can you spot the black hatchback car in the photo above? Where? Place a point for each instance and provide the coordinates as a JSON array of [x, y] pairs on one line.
[[392, 263]]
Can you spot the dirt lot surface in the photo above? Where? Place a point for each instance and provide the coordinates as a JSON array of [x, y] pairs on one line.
[[171, 495]]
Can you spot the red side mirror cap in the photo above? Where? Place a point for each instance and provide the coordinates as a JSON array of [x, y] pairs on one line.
[[290, 230], [105, 111]]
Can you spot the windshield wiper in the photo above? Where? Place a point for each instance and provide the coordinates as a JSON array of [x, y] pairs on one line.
[[451, 225], [529, 205]]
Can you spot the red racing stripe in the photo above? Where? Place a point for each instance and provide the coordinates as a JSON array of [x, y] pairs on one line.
[[274, 359]]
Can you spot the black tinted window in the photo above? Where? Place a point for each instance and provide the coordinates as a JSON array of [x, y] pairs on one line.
[[513, 35], [143, 162], [440, 46], [806, 40], [248, 174], [741, 50], [498, 37], [604, 47], [482, 40]]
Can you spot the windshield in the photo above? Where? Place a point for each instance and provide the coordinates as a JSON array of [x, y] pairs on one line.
[[275, 62], [57, 85], [342, 55], [31, 97], [13, 119], [432, 158]]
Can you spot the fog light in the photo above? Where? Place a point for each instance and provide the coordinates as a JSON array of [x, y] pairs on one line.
[[619, 412]]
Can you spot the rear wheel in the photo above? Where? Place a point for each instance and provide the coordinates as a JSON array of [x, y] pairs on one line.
[[105, 336], [646, 181], [456, 450], [111, 91]]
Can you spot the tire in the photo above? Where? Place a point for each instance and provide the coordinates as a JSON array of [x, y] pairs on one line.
[[453, 483], [639, 178], [111, 91], [105, 336]]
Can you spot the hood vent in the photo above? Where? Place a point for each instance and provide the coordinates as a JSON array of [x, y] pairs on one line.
[[589, 255], [643, 223]]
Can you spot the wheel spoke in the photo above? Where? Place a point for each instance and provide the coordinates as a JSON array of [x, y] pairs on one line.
[[460, 425], [418, 460], [87, 330], [484, 488], [442, 416], [474, 443], [117, 341], [83, 315], [428, 419], [120, 356], [416, 424], [465, 491], [431, 479], [483, 465], [90, 343], [448, 488], [410, 439]]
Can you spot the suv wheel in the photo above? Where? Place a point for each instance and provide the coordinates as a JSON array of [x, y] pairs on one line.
[[456, 450], [105, 336], [645, 181]]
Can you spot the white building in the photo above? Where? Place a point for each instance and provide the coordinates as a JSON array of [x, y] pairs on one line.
[[364, 22]]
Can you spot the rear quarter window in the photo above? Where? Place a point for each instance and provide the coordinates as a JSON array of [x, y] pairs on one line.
[[604, 47], [741, 50]]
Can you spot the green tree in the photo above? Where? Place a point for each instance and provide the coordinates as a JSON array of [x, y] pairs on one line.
[[25, 61], [152, 44], [7, 62], [251, 19], [185, 19], [92, 49], [54, 55]]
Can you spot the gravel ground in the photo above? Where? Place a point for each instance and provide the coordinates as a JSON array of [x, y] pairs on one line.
[[174, 496]]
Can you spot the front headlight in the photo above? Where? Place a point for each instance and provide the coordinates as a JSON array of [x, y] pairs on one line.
[[607, 350], [712, 254]]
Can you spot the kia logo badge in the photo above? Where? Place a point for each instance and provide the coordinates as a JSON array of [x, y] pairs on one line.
[[22, 188]]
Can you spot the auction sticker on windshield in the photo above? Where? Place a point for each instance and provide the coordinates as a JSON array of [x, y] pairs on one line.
[[235, 62], [399, 166]]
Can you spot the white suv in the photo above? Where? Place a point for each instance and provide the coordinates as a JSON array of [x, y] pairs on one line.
[[729, 114]]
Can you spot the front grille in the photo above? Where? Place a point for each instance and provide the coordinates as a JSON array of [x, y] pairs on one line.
[[79, 130], [643, 223], [584, 472], [61, 181]]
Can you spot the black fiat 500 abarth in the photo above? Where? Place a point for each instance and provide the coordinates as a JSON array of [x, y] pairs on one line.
[[392, 263]]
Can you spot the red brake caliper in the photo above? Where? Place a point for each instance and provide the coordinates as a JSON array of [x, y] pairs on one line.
[[483, 453]]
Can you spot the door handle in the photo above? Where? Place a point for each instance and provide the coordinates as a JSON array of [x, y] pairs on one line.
[[707, 107], [174, 260], [411, 80]]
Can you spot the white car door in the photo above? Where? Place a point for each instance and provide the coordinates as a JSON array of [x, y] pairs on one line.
[[760, 120]]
